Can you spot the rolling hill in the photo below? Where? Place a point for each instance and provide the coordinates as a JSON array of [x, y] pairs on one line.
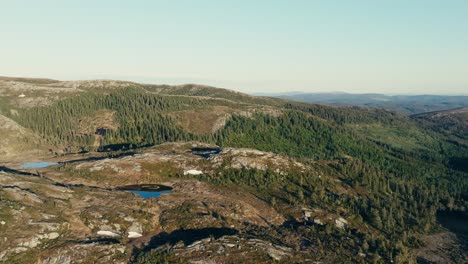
[[408, 104], [289, 181]]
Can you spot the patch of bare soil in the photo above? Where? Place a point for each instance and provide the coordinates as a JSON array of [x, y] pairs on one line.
[[17, 141], [98, 124], [203, 121], [442, 248], [103, 119]]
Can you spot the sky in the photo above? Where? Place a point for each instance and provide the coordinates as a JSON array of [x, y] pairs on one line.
[[358, 46]]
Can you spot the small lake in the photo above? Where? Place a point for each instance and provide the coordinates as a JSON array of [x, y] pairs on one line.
[[37, 165], [150, 194], [455, 222], [206, 152], [147, 190]]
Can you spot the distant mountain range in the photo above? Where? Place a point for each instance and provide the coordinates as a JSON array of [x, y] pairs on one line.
[[408, 104]]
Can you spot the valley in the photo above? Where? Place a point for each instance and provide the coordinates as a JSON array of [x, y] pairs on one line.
[[243, 178]]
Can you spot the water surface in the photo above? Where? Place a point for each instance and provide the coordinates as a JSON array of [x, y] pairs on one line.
[[37, 165], [206, 152], [147, 190], [457, 222], [150, 194]]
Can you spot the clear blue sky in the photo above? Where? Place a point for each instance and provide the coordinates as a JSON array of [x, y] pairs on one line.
[[392, 46]]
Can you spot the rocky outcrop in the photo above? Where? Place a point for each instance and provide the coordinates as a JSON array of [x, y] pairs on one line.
[[67, 223], [193, 172], [236, 247], [243, 158]]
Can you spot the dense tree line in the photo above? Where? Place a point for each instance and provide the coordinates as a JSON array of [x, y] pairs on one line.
[[343, 115], [139, 115]]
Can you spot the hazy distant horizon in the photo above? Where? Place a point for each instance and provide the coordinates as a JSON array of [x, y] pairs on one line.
[[220, 84], [397, 47]]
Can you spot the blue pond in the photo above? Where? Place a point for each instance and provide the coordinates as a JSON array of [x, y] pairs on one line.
[[37, 165], [147, 190], [150, 194]]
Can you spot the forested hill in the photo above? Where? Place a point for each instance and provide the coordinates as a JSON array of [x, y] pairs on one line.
[[400, 169], [451, 123]]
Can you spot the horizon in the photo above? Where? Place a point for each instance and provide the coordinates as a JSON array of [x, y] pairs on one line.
[[265, 47], [277, 93]]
